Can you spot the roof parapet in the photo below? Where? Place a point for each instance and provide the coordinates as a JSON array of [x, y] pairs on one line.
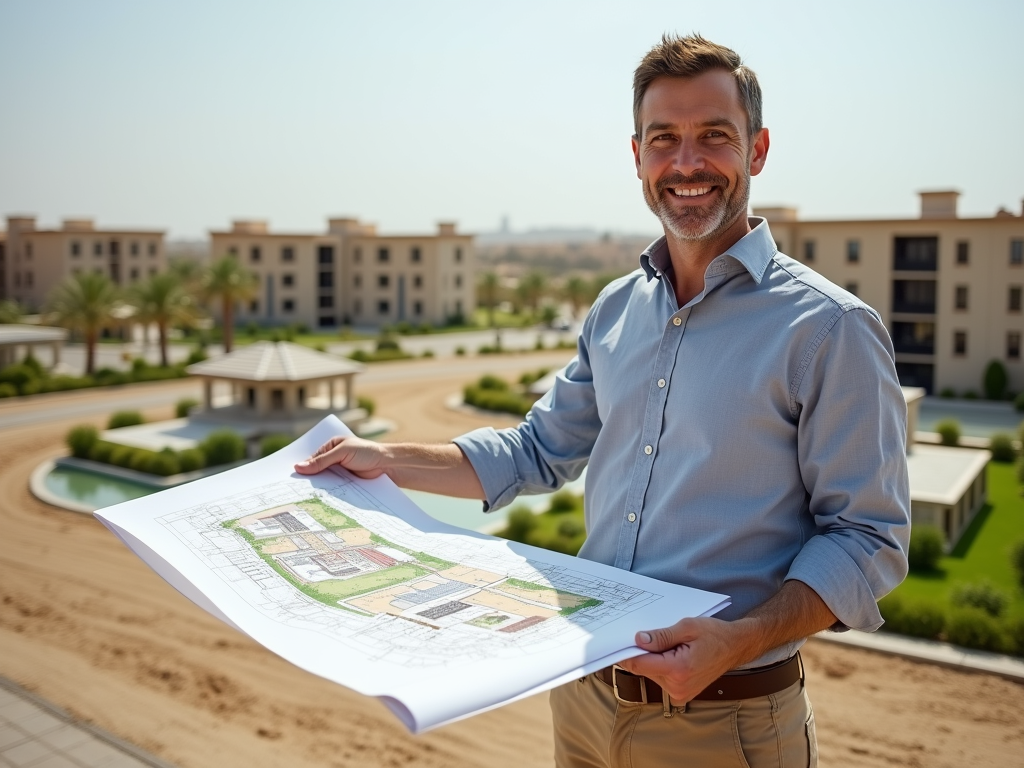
[[939, 204]]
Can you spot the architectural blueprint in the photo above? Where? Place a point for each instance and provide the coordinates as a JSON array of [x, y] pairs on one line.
[[348, 579]]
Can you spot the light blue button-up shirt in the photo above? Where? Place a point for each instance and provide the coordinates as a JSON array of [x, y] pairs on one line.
[[755, 435]]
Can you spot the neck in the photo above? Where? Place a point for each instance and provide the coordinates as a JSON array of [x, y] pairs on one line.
[[690, 258]]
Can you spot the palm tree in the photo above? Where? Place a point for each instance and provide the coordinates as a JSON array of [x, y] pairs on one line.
[[489, 284], [163, 299], [229, 282], [575, 291], [532, 289], [85, 302]]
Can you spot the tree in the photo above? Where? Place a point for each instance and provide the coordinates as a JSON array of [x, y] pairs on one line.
[[576, 292], [531, 288], [164, 300], [10, 312], [85, 302], [228, 282], [995, 380], [489, 285]]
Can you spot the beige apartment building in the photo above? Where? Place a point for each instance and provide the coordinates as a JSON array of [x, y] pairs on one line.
[[350, 275], [948, 288], [34, 261]]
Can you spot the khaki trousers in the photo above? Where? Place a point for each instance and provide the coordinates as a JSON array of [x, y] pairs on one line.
[[594, 730]]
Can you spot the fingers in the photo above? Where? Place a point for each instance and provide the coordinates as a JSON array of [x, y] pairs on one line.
[[322, 458], [658, 640], [658, 666]]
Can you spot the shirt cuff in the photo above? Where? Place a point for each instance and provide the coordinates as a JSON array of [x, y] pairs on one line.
[[494, 466], [828, 569]]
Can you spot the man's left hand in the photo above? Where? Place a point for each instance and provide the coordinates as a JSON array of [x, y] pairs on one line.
[[685, 658]]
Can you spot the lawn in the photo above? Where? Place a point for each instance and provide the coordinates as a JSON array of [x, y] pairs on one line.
[[339, 589], [983, 552]]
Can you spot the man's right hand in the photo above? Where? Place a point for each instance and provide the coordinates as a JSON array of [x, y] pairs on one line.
[[363, 458]]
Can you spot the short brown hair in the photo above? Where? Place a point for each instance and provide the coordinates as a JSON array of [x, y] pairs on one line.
[[690, 56]]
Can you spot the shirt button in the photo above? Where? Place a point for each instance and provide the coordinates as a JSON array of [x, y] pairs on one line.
[[631, 517], [661, 383], [648, 450], [677, 321]]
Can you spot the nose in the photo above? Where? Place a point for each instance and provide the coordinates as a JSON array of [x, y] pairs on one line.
[[688, 158]]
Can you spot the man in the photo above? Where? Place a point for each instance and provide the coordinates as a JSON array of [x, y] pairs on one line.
[[744, 429]]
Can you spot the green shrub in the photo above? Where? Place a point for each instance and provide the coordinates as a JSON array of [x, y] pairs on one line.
[[191, 459], [81, 440], [1001, 445], [981, 594], [427, 353], [1020, 470], [563, 501], [183, 406], [915, 618], [1018, 402], [974, 628], [570, 528], [926, 546], [8, 390], [164, 464], [387, 344], [995, 380], [222, 447], [366, 404], [197, 355], [101, 452], [489, 381], [1014, 635], [124, 419], [121, 456], [948, 393], [274, 443], [949, 431], [20, 376], [461, 351], [530, 377], [139, 364], [140, 460], [970, 394], [496, 400], [31, 362], [1017, 561], [521, 523]]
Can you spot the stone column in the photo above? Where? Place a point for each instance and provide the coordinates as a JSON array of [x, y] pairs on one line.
[[330, 391], [349, 401], [208, 394]]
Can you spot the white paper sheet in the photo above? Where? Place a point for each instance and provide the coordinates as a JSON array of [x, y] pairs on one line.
[[350, 580]]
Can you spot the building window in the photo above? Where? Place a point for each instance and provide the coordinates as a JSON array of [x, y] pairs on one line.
[[1013, 304], [97, 249], [28, 251], [233, 251], [115, 248], [326, 280], [326, 321], [458, 255], [325, 254], [417, 281], [963, 252], [417, 308], [357, 281], [287, 253], [76, 248], [152, 249], [254, 254], [383, 307], [916, 254], [808, 250], [133, 249], [960, 301], [415, 256], [1013, 345], [326, 302], [357, 255], [458, 281], [357, 307], [852, 288], [383, 281], [959, 343], [383, 254], [134, 273], [288, 305], [853, 251], [28, 279], [254, 307], [1017, 252], [288, 280]]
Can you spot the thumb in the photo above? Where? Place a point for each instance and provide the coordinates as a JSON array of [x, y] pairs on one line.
[[659, 640]]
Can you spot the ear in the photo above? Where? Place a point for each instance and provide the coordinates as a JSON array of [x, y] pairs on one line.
[[635, 141], [759, 152]]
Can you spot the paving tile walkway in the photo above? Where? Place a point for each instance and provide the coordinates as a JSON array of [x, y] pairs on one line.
[[36, 734]]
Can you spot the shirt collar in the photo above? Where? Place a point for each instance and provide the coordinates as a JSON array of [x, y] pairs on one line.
[[753, 251]]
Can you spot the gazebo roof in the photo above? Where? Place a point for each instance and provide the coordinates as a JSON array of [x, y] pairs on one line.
[[275, 361], [13, 333]]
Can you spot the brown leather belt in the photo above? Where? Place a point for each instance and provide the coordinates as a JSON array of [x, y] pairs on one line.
[[744, 684]]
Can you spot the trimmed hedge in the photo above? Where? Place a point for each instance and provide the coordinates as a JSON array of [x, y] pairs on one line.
[[81, 440], [220, 447], [125, 419], [274, 443], [926, 545]]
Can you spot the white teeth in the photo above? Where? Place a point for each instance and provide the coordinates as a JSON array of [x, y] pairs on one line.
[[692, 192]]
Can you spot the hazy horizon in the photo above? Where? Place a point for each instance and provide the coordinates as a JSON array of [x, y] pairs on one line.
[[183, 117]]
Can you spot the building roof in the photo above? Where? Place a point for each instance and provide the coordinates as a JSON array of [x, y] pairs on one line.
[[275, 361], [12, 333], [940, 474]]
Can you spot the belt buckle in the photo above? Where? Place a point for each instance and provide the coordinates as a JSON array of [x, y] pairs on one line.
[[615, 686]]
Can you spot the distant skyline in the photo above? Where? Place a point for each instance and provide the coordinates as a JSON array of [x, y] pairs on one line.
[[184, 116]]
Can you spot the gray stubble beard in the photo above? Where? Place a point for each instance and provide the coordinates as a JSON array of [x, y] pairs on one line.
[[695, 224]]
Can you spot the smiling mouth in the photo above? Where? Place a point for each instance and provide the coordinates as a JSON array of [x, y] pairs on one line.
[[691, 191]]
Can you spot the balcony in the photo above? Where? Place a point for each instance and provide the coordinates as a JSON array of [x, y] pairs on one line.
[[913, 338], [916, 254], [914, 296]]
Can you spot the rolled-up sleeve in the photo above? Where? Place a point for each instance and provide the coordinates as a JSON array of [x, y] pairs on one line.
[[852, 454], [551, 447]]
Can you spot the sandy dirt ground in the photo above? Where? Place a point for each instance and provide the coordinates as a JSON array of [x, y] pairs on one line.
[[86, 625]]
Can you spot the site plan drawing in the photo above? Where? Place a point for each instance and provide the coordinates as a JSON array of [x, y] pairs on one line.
[[348, 579]]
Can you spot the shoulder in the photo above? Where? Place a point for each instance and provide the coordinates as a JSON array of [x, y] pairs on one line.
[[811, 294]]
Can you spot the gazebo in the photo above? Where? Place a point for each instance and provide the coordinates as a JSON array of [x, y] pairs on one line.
[[277, 386], [15, 337]]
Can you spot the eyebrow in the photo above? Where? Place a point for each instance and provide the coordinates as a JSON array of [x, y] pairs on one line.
[[715, 122]]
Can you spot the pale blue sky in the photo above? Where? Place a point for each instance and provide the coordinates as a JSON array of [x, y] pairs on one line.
[[184, 115]]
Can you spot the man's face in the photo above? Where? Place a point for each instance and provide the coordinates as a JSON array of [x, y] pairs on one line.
[[693, 155]]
